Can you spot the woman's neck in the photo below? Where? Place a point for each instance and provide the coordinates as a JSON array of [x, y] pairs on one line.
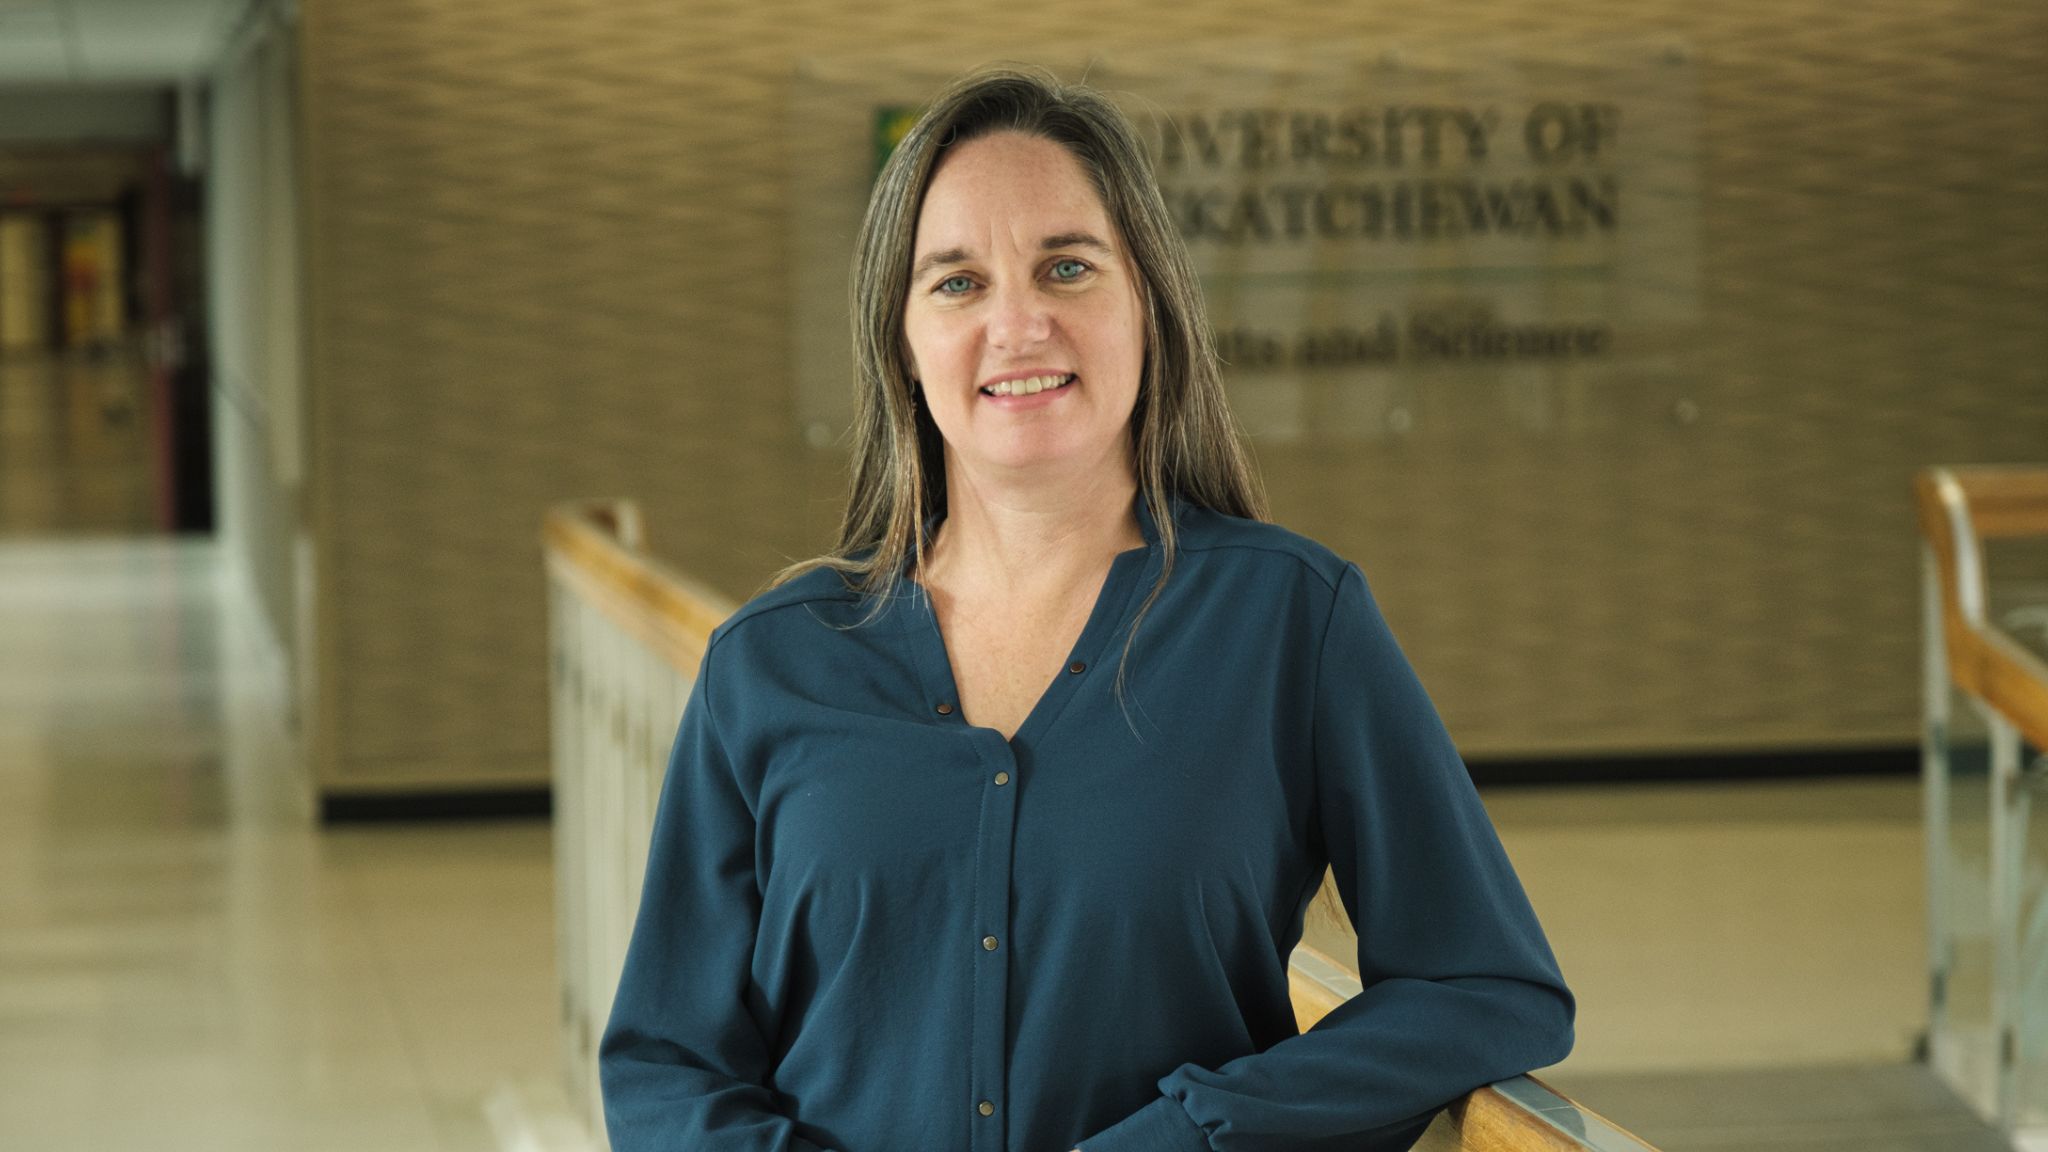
[[1029, 544]]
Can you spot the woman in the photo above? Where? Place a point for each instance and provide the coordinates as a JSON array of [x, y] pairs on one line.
[[924, 878]]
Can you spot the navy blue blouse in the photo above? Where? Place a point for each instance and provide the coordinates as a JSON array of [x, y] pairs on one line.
[[871, 926]]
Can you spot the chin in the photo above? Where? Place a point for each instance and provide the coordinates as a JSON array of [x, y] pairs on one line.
[[1054, 458]]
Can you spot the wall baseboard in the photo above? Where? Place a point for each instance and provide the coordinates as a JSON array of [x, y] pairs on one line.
[[1792, 764], [394, 807]]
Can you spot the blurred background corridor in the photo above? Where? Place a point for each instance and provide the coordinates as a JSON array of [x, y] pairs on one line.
[[323, 771]]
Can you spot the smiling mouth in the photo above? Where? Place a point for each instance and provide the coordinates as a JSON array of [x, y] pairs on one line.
[[1029, 386]]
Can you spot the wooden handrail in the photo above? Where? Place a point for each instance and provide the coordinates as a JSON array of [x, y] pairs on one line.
[[597, 546], [1525, 1115], [1959, 509], [2006, 500], [1521, 1114]]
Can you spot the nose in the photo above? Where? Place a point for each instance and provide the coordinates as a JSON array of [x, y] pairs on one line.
[[1019, 318]]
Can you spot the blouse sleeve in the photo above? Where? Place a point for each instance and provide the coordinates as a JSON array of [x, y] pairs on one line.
[[1460, 988], [684, 1060]]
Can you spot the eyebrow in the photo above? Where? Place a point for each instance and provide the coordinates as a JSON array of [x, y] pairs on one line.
[[1056, 240]]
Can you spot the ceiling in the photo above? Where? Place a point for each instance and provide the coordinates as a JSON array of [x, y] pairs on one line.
[[96, 43]]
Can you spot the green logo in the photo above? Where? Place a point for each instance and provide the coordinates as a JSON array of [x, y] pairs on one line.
[[892, 123]]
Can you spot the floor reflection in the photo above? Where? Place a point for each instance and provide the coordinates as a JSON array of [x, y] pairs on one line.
[[185, 960]]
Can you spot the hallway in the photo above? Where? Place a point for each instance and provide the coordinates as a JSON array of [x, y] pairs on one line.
[[185, 962]]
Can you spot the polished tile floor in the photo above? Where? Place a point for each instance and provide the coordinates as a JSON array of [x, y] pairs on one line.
[[188, 962]]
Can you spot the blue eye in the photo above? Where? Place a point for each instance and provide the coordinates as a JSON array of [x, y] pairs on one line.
[[1078, 269], [962, 280]]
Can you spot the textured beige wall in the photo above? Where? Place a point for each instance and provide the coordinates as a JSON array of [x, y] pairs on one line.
[[548, 257]]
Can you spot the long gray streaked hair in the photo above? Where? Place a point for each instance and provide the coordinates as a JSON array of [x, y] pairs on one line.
[[1184, 439]]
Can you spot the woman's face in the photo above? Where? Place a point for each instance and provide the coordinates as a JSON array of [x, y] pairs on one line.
[[1017, 273]]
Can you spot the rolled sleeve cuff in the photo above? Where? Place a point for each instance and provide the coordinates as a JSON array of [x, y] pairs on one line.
[[1161, 1126]]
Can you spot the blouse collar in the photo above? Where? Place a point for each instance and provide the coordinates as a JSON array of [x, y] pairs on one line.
[[1175, 503]]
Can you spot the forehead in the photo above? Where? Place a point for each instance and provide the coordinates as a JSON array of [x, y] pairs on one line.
[[1007, 186]]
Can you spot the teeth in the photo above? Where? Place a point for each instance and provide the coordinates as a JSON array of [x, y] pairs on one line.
[[1026, 387]]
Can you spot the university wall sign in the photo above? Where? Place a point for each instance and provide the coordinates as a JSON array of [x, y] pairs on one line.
[[1392, 241]]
